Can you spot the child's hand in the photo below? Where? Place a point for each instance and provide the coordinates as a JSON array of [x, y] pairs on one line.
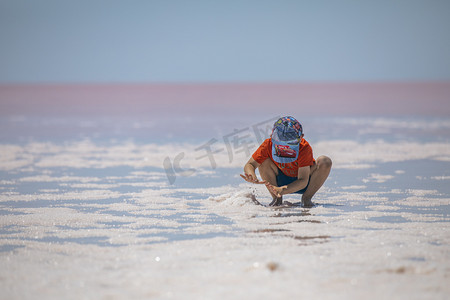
[[276, 190], [251, 179]]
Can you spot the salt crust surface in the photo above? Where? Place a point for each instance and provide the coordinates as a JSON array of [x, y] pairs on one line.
[[346, 154], [216, 243], [131, 235]]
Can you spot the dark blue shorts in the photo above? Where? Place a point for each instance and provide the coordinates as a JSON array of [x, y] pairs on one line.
[[283, 179]]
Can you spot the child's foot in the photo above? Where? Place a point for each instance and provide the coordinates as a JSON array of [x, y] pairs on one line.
[[307, 203], [276, 201]]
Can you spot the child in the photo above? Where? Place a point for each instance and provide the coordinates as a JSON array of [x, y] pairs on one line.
[[286, 164]]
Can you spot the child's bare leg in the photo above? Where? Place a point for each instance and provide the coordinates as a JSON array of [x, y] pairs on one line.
[[319, 173], [269, 171]]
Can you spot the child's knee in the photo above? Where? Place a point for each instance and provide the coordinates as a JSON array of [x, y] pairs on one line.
[[324, 162]]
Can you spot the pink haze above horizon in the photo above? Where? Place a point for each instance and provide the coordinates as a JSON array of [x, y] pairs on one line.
[[316, 99]]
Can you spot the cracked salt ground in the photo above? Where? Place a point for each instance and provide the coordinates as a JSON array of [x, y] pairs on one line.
[[117, 229]]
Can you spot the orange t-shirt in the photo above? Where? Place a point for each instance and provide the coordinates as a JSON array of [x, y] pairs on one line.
[[305, 157]]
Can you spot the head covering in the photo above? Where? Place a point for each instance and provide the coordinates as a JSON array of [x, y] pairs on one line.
[[286, 135]]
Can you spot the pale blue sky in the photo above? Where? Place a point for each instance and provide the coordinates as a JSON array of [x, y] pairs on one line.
[[214, 41]]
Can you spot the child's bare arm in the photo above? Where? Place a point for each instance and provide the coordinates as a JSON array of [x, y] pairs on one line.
[[249, 171], [299, 184]]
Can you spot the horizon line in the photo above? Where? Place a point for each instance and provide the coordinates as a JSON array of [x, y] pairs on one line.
[[222, 83]]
